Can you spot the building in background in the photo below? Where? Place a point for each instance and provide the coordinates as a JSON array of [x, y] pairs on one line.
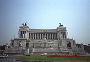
[[44, 41], [87, 49]]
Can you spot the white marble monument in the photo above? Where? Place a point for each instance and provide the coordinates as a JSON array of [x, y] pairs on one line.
[[49, 41]]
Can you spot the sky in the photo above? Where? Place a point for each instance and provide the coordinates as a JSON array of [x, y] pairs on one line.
[[45, 14]]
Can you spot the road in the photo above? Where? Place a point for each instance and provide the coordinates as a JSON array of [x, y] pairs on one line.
[[9, 59]]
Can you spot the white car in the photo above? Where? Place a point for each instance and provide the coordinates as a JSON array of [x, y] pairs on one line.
[[3, 55], [43, 54]]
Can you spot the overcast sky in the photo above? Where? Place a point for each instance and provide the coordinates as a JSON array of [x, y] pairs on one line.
[[45, 14]]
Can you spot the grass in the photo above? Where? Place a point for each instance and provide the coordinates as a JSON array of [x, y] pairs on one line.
[[46, 58]]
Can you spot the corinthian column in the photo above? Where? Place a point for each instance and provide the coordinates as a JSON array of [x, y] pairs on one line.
[[47, 35], [40, 35], [50, 35], [35, 35]]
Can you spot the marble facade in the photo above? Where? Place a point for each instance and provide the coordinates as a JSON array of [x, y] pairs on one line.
[[40, 41]]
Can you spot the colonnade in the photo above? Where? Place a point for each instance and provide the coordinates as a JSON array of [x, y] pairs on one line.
[[43, 35]]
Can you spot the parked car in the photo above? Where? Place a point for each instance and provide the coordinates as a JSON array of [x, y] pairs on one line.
[[2, 54], [44, 54]]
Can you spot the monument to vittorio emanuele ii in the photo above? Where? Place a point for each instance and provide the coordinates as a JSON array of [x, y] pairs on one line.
[[44, 41]]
